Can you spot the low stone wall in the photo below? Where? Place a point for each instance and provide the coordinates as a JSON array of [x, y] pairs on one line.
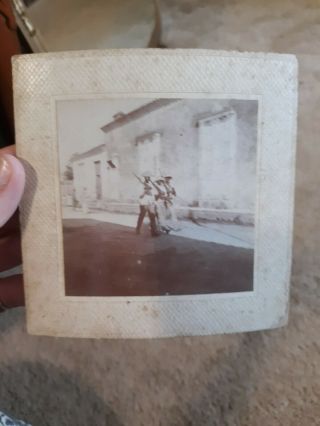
[[216, 215], [194, 213]]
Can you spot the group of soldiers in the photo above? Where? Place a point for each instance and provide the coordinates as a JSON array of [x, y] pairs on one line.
[[157, 201]]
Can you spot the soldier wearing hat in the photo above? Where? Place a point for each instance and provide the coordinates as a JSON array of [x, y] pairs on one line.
[[169, 209], [147, 205], [166, 193], [171, 192]]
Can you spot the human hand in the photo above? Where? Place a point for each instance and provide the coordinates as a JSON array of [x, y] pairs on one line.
[[12, 180]]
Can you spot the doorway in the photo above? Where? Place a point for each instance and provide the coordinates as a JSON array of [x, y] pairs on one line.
[[97, 166]]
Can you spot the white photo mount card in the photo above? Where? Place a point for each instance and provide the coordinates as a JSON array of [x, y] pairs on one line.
[[159, 196]]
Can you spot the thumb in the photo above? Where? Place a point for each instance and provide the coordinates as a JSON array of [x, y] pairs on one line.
[[12, 180]]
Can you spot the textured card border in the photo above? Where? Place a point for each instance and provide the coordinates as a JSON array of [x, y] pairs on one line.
[[41, 79]]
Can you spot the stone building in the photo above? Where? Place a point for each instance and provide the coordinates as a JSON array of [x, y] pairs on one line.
[[208, 147]]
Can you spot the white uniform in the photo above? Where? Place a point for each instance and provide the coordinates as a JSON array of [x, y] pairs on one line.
[[148, 201], [166, 210]]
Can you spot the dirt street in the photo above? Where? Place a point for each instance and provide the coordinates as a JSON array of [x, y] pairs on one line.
[[103, 259]]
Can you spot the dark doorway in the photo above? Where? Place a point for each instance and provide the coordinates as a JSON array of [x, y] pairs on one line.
[[97, 165]]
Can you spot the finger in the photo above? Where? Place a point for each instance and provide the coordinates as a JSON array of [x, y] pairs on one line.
[[12, 180], [11, 291], [8, 150]]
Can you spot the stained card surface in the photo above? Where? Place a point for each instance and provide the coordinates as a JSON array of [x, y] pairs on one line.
[[159, 195]]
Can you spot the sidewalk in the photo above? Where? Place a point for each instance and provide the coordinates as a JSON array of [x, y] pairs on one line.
[[226, 234]]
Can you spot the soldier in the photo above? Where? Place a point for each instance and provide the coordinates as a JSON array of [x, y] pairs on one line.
[[147, 205], [165, 204], [170, 201], [161, 202], [171, 192]]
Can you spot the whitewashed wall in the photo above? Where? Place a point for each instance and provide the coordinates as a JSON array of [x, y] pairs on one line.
[[181, 131], [84, 175]]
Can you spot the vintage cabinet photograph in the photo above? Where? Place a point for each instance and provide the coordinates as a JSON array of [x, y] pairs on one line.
[[159, 192]]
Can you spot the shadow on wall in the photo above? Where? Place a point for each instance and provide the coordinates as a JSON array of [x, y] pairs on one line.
[[43, 395]]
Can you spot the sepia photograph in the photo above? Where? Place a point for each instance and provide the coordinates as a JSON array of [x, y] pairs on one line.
[[158, 195]]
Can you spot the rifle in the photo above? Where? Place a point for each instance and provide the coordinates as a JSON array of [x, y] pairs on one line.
[[155, 186], [139, 179], [170, 190], [167, 189]]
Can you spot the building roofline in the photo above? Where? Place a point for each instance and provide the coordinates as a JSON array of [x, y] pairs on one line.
[[216, 116], [121, 120], [137, 113], [93, 151]]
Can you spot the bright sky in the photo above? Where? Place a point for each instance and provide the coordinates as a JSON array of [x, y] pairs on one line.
[[79, 122]]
